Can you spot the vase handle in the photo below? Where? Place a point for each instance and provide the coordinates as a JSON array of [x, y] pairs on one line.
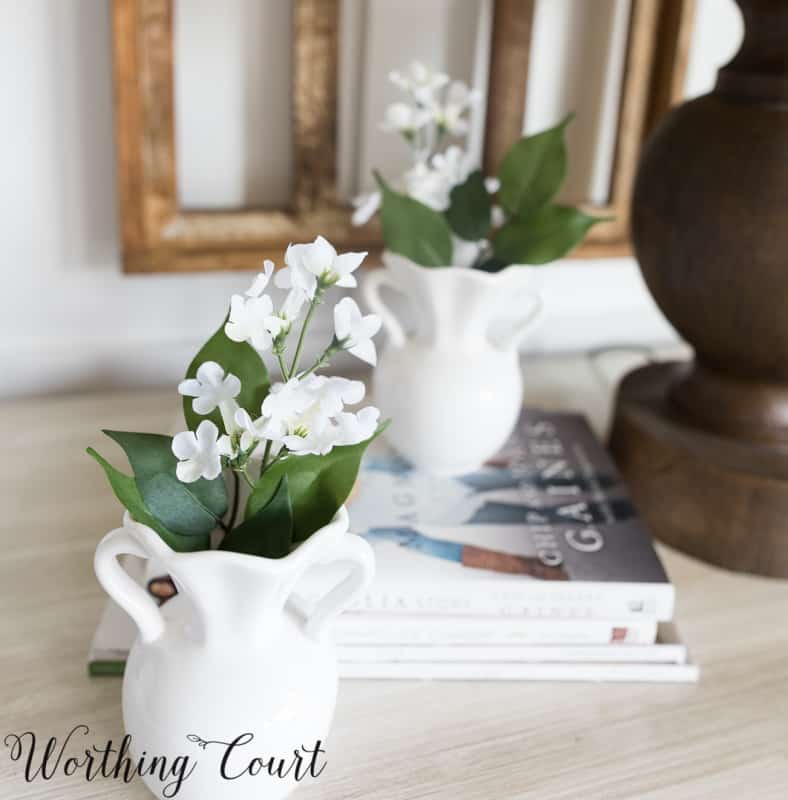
[[135, 540], [341, 548], [370, 290], [513, 337]]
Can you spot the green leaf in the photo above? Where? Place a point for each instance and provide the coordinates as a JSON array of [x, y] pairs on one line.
[[547, 235], [413, 230], [269, 531], [128, 494], [243, 361], [470, 208], [533, 170], [318, 485], [190, 509], [492, 265], [106, 667]]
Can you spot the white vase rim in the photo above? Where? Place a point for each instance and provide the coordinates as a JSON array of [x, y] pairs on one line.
[[480, 276], [337, 525]]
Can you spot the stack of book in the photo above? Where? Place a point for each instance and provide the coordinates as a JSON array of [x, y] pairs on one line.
[[534, 567]]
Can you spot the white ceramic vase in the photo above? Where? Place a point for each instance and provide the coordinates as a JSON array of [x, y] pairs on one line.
[[229, 656], [453, 388]]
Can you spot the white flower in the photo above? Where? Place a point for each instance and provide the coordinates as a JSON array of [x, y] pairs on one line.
[[492, 185], [318, 439], [284, 406], [307, 416], [251, 430], [210, 388], [428, 186], [308, 262], [497, 216], [251, 321], [296, 279], [450, 115], [332, 394], [302, 406], [356, 331], [344, 429], [355, 428], [282, 321], [405, 118], [292, 306], [453, 165], [420, 81], [261, 280], [432, 184], [200, 454], [366, 206]]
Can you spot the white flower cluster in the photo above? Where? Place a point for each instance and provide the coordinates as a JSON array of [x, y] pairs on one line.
[[432, 99], [305, 412], [435, 107], [308, 416], [309, 268], [301, 416]]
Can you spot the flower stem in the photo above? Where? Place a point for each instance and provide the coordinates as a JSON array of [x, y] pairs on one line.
[[236, 498], [283, 367], [313, 304], [266, 453], [323, 359], [245, 475], [317, 365], [278, 457]]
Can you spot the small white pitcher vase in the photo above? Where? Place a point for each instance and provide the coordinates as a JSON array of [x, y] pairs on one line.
[[453, 389], [229, 658]]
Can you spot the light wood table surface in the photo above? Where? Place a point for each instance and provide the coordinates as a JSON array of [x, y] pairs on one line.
[[726, 737]]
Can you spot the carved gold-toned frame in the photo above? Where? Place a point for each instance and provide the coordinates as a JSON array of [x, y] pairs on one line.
[[159, 236]]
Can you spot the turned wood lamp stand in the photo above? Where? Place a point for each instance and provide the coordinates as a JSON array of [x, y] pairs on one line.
[[705, 446]]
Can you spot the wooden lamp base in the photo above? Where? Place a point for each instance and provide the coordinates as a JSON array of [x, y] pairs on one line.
[[705, 446], [720, 499]]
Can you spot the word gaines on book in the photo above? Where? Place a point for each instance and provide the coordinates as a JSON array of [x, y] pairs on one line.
[[71, 757]]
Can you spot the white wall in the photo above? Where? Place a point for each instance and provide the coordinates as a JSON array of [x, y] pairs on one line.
[[69, 318], [234, 150], [716, 37]]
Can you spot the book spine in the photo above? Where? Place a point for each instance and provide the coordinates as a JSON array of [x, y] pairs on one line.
[[535, 600], [626, 673], [436, 654], [366, 629]]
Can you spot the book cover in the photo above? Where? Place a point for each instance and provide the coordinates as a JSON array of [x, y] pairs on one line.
[[545, 529]]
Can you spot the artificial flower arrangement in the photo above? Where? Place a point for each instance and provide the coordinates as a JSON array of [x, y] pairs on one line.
[[292, 441], [443, 211]]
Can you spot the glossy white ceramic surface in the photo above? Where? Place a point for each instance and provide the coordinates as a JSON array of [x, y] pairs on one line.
[[453, 388], [227, 657]]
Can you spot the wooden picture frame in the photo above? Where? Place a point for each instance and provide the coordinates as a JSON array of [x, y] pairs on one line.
[[655, 68], [158, 236]]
